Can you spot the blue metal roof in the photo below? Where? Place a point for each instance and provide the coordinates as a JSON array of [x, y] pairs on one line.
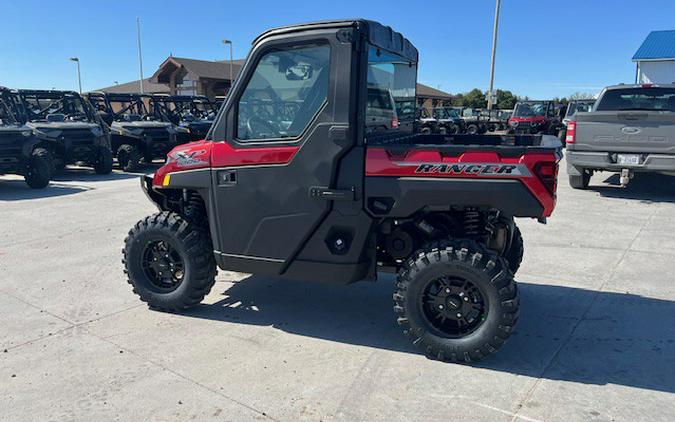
[[657, 45]]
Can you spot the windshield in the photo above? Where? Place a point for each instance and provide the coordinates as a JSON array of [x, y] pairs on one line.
[[54, 106], [533, 109], [579, 107], [391, 85], [657, 99]]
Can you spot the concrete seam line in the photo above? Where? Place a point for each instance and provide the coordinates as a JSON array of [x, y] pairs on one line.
[[606, 279]]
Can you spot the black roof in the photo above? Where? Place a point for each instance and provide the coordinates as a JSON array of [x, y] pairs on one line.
[[379, 35]]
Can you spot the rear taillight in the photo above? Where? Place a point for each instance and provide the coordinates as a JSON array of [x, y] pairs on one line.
[[548, 174], [394, 123], [571, 132]]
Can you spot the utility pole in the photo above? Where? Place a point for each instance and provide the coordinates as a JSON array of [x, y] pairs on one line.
[[228, 42], [494, 53], [79, 77], [140, 54]]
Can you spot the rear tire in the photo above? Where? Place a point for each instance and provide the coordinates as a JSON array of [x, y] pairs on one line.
[[582, 181], [472, 129], [169, 262], [425, 131], [129, 158], [458, 279], [514, 254], [40, 169], [104, 161]]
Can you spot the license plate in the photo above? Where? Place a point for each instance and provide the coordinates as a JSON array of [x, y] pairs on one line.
[[629, 159]]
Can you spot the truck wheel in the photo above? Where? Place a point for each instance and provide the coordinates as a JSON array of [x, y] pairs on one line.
[[472, 129], [169, 262], [104, 161], [514, 254], [425, 131], [40, 169], [581, 182], [129, 157], [457, 301]]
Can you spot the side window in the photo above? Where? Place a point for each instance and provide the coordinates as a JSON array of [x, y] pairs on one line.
[[285, 92]]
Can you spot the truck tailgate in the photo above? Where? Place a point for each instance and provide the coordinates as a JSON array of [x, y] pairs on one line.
[[626, 131]]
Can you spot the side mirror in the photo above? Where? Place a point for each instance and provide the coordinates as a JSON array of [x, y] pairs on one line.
[[299, 72]]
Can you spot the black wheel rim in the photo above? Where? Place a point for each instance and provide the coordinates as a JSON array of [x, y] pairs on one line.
[[163, 265], [453, 306]]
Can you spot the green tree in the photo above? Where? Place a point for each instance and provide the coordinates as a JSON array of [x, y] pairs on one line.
[[475, 99], [506, 100]]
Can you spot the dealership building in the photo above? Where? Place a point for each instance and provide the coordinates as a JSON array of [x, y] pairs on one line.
[[655, 59], [181, 76]]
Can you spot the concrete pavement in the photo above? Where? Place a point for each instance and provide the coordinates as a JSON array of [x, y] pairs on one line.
[[595, 341]]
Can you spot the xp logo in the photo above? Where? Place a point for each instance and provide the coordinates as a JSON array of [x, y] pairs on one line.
[[476, 169], [189, 158]]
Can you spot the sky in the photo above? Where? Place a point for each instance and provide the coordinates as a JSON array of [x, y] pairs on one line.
[[545, 48]]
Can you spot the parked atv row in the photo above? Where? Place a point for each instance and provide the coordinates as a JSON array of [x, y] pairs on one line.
[[42, 132], [460, 120]]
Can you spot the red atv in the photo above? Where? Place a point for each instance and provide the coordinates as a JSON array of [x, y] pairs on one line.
[[312, 194], [534, 117]]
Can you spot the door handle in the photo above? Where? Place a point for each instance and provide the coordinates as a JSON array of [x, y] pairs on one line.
[[227, 177]]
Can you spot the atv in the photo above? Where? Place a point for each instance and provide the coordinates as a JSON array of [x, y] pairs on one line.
[[315, 195], [139, 132], [449, 120], [67, 126], [192, 115], [20, 151], [425, 123]]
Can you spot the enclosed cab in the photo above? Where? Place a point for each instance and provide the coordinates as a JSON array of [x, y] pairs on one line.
[[139, 131], [532, 117], [68, 126], [192, 115], [314, 193], [21, 152]]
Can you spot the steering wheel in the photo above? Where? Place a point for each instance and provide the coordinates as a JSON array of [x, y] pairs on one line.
[[257, 127]]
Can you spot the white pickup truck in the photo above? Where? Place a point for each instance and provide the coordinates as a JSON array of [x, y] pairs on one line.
[[630, 129]]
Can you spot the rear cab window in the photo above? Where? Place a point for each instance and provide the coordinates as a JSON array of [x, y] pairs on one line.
[[391, 94], [655, 99]]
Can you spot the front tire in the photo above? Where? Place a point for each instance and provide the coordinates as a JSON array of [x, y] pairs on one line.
[[169, 262], [104, 161], [39, 169], [472, 129], [457, 301], [129, 158]]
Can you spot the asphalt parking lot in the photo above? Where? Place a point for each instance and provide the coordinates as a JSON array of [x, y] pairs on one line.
[[595, 341]]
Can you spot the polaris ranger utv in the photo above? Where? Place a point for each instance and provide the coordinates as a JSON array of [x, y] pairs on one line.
[[20, 151], [449, 120], [192, 115], [67, 126], [138, 131], [533, 117], [321, 198]]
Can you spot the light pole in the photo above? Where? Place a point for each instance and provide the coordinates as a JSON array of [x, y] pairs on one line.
[[228, 42], [140, 55], [494, 53], [79, 77]]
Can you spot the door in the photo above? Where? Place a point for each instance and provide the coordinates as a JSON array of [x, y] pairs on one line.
[[287, 126]]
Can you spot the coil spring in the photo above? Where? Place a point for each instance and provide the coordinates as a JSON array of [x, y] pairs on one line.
[[472, 224]]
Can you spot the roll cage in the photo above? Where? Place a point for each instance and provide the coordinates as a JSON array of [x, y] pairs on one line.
[[39, 105]]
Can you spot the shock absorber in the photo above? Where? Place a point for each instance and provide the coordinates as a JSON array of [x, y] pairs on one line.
[[473, 227], [194, 209]]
